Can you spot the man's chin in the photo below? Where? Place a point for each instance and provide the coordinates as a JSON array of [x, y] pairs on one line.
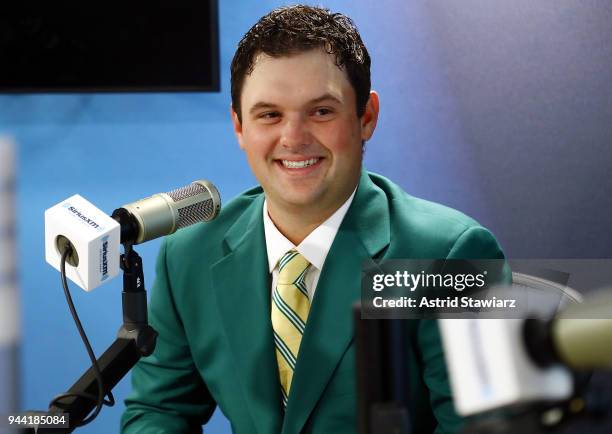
[[307, 201]]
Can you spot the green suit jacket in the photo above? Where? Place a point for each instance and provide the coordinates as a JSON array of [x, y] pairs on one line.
[[211, 306]]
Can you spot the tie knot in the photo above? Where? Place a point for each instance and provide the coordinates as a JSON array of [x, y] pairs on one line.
[[292, 268]]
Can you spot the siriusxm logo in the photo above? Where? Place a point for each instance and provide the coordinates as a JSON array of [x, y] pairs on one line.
[[83, 217], [104, 258]]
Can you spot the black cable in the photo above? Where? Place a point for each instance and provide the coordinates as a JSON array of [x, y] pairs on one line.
[[99, 399]]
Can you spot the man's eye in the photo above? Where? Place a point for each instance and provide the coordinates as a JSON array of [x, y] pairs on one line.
[[323, 111], [269, 115]]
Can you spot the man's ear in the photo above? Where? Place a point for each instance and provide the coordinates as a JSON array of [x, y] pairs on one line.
[[370, 116], [237, 126]]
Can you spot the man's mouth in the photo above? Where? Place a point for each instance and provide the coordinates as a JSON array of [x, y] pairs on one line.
[[289, 164]]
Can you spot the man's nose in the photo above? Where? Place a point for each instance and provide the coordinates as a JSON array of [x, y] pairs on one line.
[[295, 133]]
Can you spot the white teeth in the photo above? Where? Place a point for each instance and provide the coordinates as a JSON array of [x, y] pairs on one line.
[[299, 164]]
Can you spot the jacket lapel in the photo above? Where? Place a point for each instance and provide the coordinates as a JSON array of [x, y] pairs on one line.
[[329, 331], [242, 288]]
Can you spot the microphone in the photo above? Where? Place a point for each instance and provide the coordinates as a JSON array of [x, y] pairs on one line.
[[95, 237], [497, 363], [165, 213], [579, 337]]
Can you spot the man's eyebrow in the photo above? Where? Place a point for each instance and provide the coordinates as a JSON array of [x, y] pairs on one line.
[[268, 105], [325, 97], [261, 105]]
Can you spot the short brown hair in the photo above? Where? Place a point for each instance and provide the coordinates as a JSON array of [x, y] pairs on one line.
[[295, 29]]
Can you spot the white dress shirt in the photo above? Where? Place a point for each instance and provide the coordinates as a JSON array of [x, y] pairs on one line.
[[314, 247]]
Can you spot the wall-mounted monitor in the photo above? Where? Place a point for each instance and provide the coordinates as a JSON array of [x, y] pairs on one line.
[[109, 46]]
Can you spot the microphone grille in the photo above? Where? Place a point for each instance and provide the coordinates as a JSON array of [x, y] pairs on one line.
[[186, 191], [196, 202], [195, 213]]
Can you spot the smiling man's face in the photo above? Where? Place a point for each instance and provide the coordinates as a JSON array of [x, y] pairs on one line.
[[301, 133]]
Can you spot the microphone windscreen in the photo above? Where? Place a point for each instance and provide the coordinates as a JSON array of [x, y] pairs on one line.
[[196, 202]]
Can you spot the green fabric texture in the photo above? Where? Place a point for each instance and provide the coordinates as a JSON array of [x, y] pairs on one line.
[[211, 305]]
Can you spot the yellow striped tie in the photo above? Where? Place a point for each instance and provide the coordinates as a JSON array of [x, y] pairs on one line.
[[290, 307]]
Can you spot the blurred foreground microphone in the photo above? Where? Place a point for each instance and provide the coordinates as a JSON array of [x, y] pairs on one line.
[[501, 363], [579, 337], [95, 237]]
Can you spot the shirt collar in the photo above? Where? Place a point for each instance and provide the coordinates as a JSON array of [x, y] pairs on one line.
[[314, 247]]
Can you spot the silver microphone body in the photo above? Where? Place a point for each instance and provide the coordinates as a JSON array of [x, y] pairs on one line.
[[164, 213], [582, 333]]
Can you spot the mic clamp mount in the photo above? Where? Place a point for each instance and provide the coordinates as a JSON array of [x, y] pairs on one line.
[[134, 299]]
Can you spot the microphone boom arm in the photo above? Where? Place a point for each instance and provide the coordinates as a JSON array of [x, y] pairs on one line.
[[135, 339]]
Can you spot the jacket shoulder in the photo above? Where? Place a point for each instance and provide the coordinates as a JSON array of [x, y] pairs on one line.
[[424, 228], [411, 207]]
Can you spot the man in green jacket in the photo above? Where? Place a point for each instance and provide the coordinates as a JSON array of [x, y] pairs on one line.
[[253, 309]]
